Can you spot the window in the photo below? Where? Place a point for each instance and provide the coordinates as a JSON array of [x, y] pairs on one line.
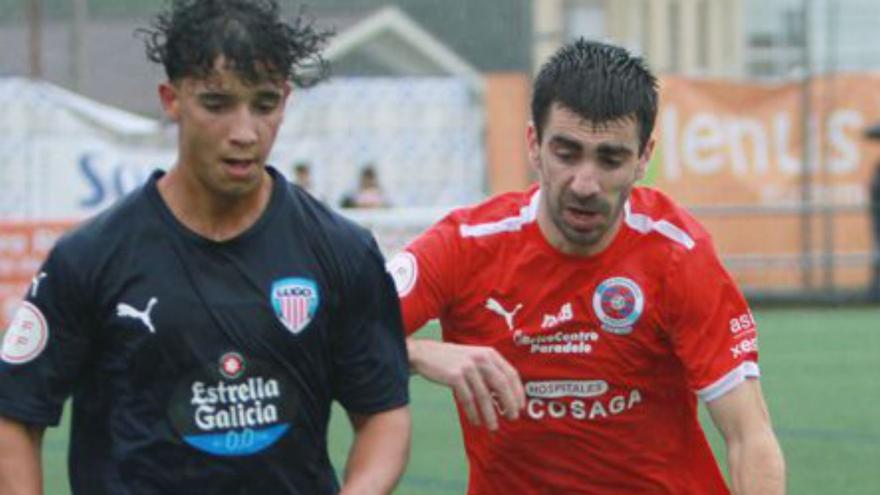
[[674, 36], [585, 18], [703, 26]]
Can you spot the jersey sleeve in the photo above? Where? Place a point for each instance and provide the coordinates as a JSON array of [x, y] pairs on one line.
[[46, 345], [425, 272], [711, 327], [371, 369]]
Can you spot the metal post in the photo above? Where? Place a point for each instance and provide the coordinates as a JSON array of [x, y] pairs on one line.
[[828, 215], [807, 158], [34, 39], [77, 60]]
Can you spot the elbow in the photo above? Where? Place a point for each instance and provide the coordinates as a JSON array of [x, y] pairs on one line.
[[757, 465]]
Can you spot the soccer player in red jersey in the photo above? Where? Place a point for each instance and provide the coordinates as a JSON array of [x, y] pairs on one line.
[[589, 312]]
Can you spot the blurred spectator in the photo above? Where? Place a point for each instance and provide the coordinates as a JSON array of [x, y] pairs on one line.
[[369, 193], [874, 290], [875, 221], [302, 176]]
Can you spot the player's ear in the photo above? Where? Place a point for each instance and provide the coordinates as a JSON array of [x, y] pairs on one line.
[[533, 145], [645, 159], [170, 100]]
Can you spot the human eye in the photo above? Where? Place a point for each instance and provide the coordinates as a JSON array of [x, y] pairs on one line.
[[566, 154], [611, 162], [266, 106], [214, 103], [267, 103]]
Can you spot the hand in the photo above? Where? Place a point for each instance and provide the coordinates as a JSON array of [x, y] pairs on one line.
[[479, 377]]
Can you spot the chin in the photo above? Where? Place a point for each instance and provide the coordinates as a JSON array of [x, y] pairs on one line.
[[584, 241], [237, 190]]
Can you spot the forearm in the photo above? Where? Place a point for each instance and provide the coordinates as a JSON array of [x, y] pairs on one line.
[[20, 467], [379, 452], [756, 466], [413, 350]]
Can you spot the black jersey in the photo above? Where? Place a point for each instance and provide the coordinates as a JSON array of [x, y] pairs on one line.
[[201, 367]]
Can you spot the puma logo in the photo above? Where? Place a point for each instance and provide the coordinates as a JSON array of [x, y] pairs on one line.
[[496, 307], [127, 311], [35, 283]]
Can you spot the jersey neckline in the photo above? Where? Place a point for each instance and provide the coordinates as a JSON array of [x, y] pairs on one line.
[[534, 234], [278, 188]]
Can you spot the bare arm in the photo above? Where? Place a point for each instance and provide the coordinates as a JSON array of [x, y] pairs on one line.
[[379, 452], [20, 449], [477, 375], [753, 454]]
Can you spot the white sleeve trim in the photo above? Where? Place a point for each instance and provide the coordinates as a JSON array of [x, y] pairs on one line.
[[748, 369], [527, 214], [645, 225]]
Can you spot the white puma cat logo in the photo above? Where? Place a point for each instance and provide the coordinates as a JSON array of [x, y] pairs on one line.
[[35, 283], [496, 307], [127, 311]]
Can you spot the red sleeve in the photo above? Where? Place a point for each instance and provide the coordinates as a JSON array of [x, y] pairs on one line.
[[424, 274], [709, 322]]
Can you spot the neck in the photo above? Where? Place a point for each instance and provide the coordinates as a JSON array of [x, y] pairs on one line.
[[213, 216], [557, 239]]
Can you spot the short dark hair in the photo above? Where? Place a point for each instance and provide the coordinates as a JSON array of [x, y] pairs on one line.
[[189, 35], [599, 82]]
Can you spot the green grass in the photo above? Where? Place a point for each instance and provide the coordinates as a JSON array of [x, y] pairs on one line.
[[821, 377]]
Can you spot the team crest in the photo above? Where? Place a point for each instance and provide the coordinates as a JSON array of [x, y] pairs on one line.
[[618, 302], [295, 301], [232, 365], [26, 336], [404, 270]]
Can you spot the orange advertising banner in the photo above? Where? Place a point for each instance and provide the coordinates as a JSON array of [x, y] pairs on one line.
[[23, 247], [723, 144], [727, 143]]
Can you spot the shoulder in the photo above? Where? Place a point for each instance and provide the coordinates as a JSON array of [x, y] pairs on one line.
[[106, 230], [83, 254], [324, 225], [658, 217], [504, 213]]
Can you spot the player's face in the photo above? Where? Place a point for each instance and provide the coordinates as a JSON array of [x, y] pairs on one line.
[[226, 128], [587, 171]]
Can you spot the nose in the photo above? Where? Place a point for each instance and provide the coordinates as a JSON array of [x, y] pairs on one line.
[[585, 182], [243, 133]]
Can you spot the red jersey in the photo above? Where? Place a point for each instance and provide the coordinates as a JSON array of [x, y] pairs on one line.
[[613, 349]]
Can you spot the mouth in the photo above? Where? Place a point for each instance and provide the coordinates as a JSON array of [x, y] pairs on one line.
[[582, 219], [239, 167], [239, 162]]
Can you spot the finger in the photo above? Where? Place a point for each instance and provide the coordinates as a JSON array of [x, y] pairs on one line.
[[462, 392], [513, 380], [482, 397], [502, 388]]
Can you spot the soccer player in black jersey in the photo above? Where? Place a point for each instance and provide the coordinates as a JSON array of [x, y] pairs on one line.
[[204, 324]]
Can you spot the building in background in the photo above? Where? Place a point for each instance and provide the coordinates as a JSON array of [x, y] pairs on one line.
[[399, 96], [740, 39], [691, 37], [89, 46], [839, 37]]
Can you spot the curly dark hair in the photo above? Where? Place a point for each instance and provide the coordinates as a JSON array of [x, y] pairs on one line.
[[189, 35], [599, 82]]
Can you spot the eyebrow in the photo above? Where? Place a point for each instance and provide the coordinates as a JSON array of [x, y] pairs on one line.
[[221, 94], [614, 149], [213, 96], [619, 150], [567, 142], [269, 93]]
